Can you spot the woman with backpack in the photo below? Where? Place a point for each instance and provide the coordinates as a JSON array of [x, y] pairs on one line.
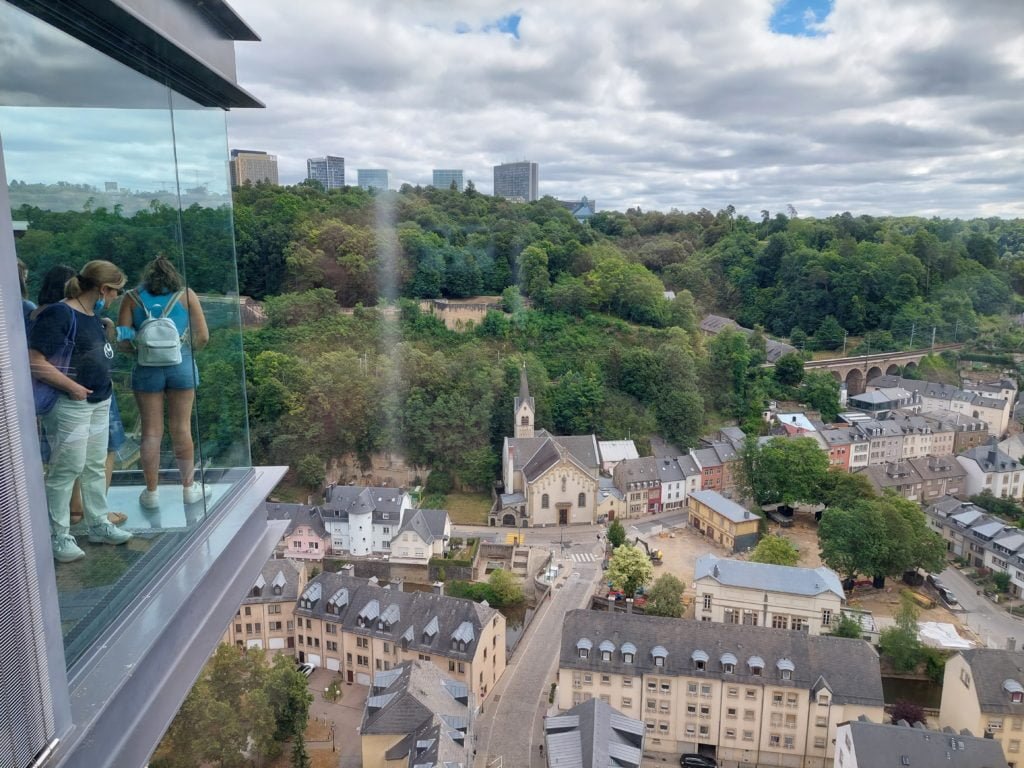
[[164, 371], [71, 357]]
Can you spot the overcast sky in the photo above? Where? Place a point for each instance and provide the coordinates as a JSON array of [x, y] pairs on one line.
[[870, 106]]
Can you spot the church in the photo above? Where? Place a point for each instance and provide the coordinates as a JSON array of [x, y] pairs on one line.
[[546, 479]]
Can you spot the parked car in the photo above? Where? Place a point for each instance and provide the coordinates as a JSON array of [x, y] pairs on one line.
[[777, 517], [306, 669], [947, 596], [933, 580], [693, 760]]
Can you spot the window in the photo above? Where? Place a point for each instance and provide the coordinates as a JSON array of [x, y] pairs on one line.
[[730, 733], [238, 628], [588, 678], [584, 653], [248, 629], [691, 689], [798, 623], [606, 679], [792, 700], [774, 739], [732, 692], [776, 719], [1016, 723], [362, 642], [691, 709], [748, 714], [705, 711], [545, 501], [581, 500], [606, 655], [627, 702], [728, 668], [387, 647], [730, 713], [707, 602], [627, 658], [788, 742], [332, 645], [995, 725], [787, 674], [821, 721], [791, 721], [751, 693], [700, 664], [652, 705], [248, 611], [451, 665], [776, 699], [705, 691], [627, 682], [780, 622], [666, 686], [330, 629], [748, 735], [659, 661], [1013, 746], [823, 700], [819, 742], [423, 657], [663, 706], [691, 730], [362, 661]]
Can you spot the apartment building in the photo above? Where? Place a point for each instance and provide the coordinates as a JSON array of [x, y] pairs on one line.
[[718, 462], [990, 470], [983, 691], [265, 619], [518, 182], [416, 716], [992, 403], [758, 594], [306, 537], [982, 539], [594, 734], [751, 695], [328, 170], [356, 627], [424, 534], [251, 166], [724, 521], [863, 744], [921, 479], [363, 520]]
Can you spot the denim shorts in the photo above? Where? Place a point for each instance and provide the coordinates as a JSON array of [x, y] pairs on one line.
[[158, 378]]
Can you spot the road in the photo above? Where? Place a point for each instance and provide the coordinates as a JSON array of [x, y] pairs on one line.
[[989, 621], [521, 696]]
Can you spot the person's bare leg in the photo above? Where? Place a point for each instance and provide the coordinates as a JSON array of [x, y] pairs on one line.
[[151, 411], [179, 423]]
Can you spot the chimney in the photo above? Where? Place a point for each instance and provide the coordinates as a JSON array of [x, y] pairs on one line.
[[399, 585], [437, 587], [348, 569]]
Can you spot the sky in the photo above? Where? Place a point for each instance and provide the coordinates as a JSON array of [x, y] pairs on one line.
[[871, 106]]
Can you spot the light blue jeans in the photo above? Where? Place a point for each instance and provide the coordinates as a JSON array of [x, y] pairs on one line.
[[77, 432]]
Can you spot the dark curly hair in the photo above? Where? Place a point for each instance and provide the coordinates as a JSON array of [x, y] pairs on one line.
[[160, 277]]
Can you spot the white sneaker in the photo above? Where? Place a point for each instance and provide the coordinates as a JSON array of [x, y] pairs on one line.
[[195, 492], [149, 499]]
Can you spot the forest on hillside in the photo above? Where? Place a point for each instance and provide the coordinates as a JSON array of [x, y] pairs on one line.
[[605, 350]]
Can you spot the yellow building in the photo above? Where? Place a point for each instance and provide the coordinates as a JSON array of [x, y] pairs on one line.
[[356, 628], [749, 695], [724, 521], [983, 691], [265, 618]]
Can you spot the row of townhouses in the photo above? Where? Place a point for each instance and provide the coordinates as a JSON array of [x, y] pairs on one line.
[[767, 696], [356, 627]]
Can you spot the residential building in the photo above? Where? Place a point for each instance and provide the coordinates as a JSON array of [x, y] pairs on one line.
[[991, 403], [518, 182], [546, 479], [356, 627], [444, 178], [841, 443], [328, 170], [883, 400], [99, 654], [982, 539], [723, 521], [692, 476], [424, 534], [1013, 446], [363, 520], [416, 716], [968, 432], [611, 502], [373, 178], [718, 463], [650, 485], [990, 470], [923, 480], [983, 691], [712, 325], [863, 744], [306, 537], [593, 734], [265, 619], [747, 695], [614, 451], [759, 594], [252, 166]]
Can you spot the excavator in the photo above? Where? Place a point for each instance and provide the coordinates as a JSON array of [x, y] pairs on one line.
[[654, 554]]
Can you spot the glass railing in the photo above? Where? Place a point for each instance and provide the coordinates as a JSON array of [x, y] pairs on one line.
[[105, 164]]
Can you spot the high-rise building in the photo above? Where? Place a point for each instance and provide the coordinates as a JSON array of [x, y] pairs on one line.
[[329, 171], [253, 166], [516, 181], [444, 177], [96, 656], [373, 178]]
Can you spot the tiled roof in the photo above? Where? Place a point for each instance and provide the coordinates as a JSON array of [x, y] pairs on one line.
[[850, 667], [773, 578], [283, 573], [880, 746], [418, 611], [990, 459], [429, 524], [727, 508], [593, 735], [990, 668], [341, 501]]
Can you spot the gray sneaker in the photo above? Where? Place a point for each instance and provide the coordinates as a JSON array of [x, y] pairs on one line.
[[105, 533], [65, 548]]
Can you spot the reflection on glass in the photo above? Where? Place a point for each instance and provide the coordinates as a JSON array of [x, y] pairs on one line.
[[104, 163]]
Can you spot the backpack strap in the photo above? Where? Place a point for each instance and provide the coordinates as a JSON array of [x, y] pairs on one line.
[[170, 304], [134, 295]]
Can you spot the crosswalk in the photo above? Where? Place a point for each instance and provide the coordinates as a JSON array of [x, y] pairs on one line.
[[583, 557]]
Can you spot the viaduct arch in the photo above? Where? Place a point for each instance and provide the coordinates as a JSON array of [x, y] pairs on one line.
[[857, 371]]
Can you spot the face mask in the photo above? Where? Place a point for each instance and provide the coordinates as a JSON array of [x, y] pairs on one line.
[[98, 306]]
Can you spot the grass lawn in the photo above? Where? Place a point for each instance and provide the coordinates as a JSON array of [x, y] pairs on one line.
[[468, 508]]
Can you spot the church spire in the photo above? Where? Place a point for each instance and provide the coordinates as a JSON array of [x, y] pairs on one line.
[[524, 385], [523, 407]]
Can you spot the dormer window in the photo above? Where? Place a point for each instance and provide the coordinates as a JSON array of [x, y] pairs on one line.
[[728, 662], [756, 665], [1015, 689], [786, 668], [607, 648], [700, 660], [627, 658], [277, 589], [628, 653], [659, 654], [583, 646]]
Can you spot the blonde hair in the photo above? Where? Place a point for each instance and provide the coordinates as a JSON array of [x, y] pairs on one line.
[[95, 274]]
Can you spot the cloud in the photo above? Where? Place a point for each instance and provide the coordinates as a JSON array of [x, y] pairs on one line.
[[892, 106]]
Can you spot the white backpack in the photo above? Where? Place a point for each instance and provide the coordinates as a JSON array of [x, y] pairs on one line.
[[157, 341]]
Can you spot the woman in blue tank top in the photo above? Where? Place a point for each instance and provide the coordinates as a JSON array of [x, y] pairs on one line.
[[176, 384]]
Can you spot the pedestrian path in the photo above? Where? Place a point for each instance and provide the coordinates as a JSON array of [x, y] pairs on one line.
[[583, 557]]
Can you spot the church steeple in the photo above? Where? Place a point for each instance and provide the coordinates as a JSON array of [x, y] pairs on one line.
[[523, 407]]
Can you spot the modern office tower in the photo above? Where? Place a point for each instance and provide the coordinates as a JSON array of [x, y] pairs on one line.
[[253, 166], [329, 171], [516, 181], [443, 179], [96, 656], [373, 178]]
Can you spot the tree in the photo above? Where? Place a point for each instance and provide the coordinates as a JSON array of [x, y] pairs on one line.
[[910, 711], [616, 534], [844, 489], [665, 597], [300, 758], [911, 544], [629, 569], [505, 588], [900, 643], [310, 471], [789, 370], [829, 334], [847, 627], [820, 391], [852, 540], [775, 550], [786, 470]]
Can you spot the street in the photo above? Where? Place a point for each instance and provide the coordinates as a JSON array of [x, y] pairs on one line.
[[989, 621]]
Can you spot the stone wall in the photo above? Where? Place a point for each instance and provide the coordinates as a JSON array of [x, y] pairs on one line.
[[388, 470]]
